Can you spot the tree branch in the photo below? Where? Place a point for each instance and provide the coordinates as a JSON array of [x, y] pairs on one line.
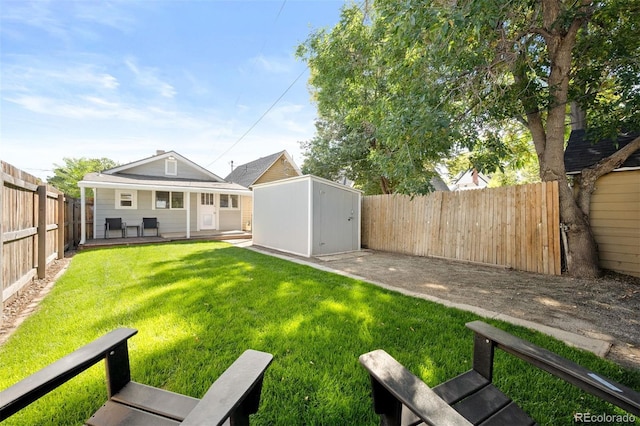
[[590, 175]]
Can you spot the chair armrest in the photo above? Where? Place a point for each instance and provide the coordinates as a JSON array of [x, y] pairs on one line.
[[50, 377], [393, 385], [235, 394], [593, 383]]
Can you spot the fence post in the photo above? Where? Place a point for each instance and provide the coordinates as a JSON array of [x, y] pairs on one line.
[[61, 226], [42, 230]]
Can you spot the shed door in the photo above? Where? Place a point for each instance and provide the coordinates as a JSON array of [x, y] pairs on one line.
[[336, 220], [207, 211]]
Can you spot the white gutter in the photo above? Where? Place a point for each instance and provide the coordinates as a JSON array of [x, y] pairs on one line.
[[156, 187]]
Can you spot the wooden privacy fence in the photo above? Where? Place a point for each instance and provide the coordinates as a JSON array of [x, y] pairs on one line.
[[72, 221], [515, 226], [31, 229]]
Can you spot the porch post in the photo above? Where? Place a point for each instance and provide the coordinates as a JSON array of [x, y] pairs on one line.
[[93, 217], [83, 216], [188, 201]]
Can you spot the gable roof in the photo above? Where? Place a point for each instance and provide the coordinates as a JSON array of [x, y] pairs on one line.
[[466, 180], [247, 174], [123, 168], [582, 153], [438, 183]]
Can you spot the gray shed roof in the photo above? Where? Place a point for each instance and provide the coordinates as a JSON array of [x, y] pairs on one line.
[[582, 153]]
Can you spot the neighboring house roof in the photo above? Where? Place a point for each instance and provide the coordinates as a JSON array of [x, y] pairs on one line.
[[249, 173], [438, 184], [581, 153], [470, 179], [160, 156]]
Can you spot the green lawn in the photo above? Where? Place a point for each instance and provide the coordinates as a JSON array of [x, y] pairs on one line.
[[198, 306]]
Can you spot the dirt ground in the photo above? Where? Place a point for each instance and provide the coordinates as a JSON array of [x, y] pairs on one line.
[[19, 308], [607, 308]]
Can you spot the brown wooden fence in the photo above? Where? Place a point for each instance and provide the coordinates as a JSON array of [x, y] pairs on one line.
[[72, 221], [516, 226], [31, 229]]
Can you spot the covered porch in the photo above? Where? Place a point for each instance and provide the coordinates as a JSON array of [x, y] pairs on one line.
[[184, 209]]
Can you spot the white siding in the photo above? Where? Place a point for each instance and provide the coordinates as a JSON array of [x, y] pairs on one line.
[[306, 216], [336, 219], [281, 217]]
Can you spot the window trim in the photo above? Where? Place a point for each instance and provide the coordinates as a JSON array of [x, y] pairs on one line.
[[118, 199], [171, 167], [229, 203], [154, 200]]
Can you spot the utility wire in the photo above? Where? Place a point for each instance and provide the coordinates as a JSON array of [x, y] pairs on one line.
[[275, 21], [260, 118]]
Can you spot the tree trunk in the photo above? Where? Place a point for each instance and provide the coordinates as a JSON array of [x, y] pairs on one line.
[[581, 251], [385, 185]]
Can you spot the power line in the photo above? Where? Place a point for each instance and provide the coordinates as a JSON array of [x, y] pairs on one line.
[[261, 117], [264, 43]]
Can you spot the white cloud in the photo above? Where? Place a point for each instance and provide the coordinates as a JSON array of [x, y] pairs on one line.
[[29, 74], [294, 118], [36, 14], [147, 77], [197, 87], [105, 13], [68, 21], [272, 65]]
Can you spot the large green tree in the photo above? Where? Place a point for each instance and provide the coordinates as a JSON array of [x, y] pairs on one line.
[[66, 177], [381, 152], [456, 74]]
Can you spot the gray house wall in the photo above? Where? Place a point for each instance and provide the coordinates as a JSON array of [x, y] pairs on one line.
[[230, 220], [173, 220], [281, 216], [170, 220], [157, 168]]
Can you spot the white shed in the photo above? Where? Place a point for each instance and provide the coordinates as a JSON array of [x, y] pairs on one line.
[[306, 215]]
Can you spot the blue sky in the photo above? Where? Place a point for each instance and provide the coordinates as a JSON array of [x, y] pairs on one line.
[[122, 79]]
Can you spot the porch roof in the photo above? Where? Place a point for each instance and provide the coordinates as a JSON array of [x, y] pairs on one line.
[[150, 183]]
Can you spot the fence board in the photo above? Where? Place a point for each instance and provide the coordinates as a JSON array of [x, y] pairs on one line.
[[516, 227], [31, 229]]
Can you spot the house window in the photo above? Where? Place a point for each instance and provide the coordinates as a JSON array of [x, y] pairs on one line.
[[126, 199], [171, 167], [169, 200], [228, 201], [207, 199]]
